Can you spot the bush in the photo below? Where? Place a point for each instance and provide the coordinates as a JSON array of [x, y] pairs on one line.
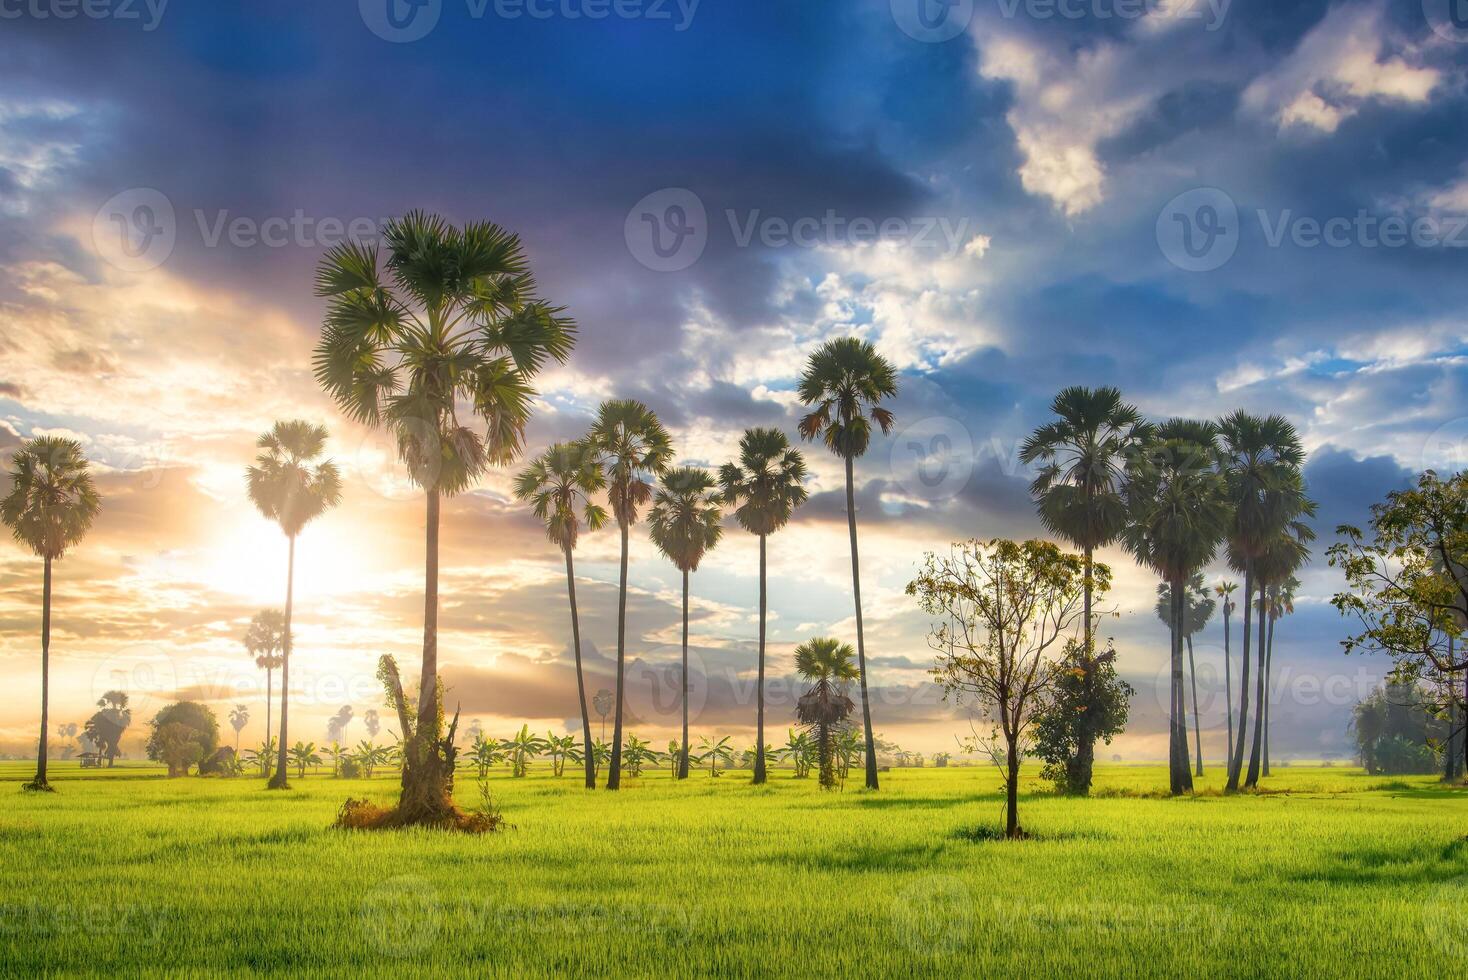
[[1397, 756], [222, 763], [183, 735]]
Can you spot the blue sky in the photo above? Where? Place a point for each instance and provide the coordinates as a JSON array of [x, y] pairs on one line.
[[1251, 205]]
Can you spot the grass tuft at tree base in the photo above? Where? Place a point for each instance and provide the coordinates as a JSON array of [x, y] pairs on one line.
[[365, 815]]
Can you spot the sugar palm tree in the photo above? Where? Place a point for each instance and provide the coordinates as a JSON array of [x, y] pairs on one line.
[[1225, 591], [685, 525], [1261, 456], [559, 484], [1177, 516], [845, 382], [239, 717], [1274, 567], [1281, 604], [828, 665], [634, 447], [264, 640], [291, 485], [452, 324], [1197, 611], [1078, 489], [764, 487], [50, 507]]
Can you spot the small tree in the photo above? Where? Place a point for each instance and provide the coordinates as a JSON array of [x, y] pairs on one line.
[[105, 728], [1079, 710], [183, 734], [999, 609]]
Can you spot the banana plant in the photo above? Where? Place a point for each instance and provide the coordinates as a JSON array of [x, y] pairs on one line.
[[263, 756], [303, 754], [637, 753], [559, 748], [715, 752], [800, 750], [484, 753], [522, 748]]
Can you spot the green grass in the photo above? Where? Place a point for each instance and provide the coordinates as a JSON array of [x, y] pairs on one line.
[[1330, 872]]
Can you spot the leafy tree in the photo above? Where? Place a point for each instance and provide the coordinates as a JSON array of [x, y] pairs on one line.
[[1088, 697], [1395, 730], [941, 759], [1197, 609], [50, 507], [1261, 461], [1177, 515], [559, 484], [265, 640], [182, 734], [453, 325], [845, 382], [633, 447], [1084, 454], [685, 525], [999, 609], [105, 728], [291, 486], [828, 665], [764, 487]]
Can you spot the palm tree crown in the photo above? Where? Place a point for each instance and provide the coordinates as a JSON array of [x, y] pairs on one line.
[[767, 483], [558, 484], [1178, 513], [685, 519], [454, 321], [633, 445], [1084, 454], [825, 660], [846, 379], [265, 638], [1198, 607], [52, 500], [1261, 462], [284, 485]]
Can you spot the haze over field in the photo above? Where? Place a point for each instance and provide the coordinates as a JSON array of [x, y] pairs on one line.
[[1025, 170]]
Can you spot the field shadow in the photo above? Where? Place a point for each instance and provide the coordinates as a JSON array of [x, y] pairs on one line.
[[1405, 865], [912, 857]]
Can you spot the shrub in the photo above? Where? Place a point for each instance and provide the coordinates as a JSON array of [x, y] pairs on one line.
[[1398, 756], [183, 734]]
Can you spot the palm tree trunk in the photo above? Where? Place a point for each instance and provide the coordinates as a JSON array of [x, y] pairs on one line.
[[1197, 720], [427, 795], [1268, 695], [683, 745], [827, 776], [1228, 684], [759, 737], [1182, 779], [580, 679], [614, 773], [1252, 779], [40, 781], [269, 704], [1236, 751], [1086, 745], [281, 772], [861, 647]]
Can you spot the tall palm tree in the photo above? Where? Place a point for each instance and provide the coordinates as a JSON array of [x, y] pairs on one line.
[[1275, 566], [239, 717], [50, 507], [1260, 457], [764, 488], [633, 446], [1177, 516], [1078, 489], [845, 382], [264, 640], [1281, 604], [290, 485], [559, 484], [453, 322], [685, 525], [1197, 610], [828, 665], [1225, 591]]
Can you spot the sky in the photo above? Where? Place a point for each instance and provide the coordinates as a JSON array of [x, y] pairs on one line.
[[1211, 205]]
